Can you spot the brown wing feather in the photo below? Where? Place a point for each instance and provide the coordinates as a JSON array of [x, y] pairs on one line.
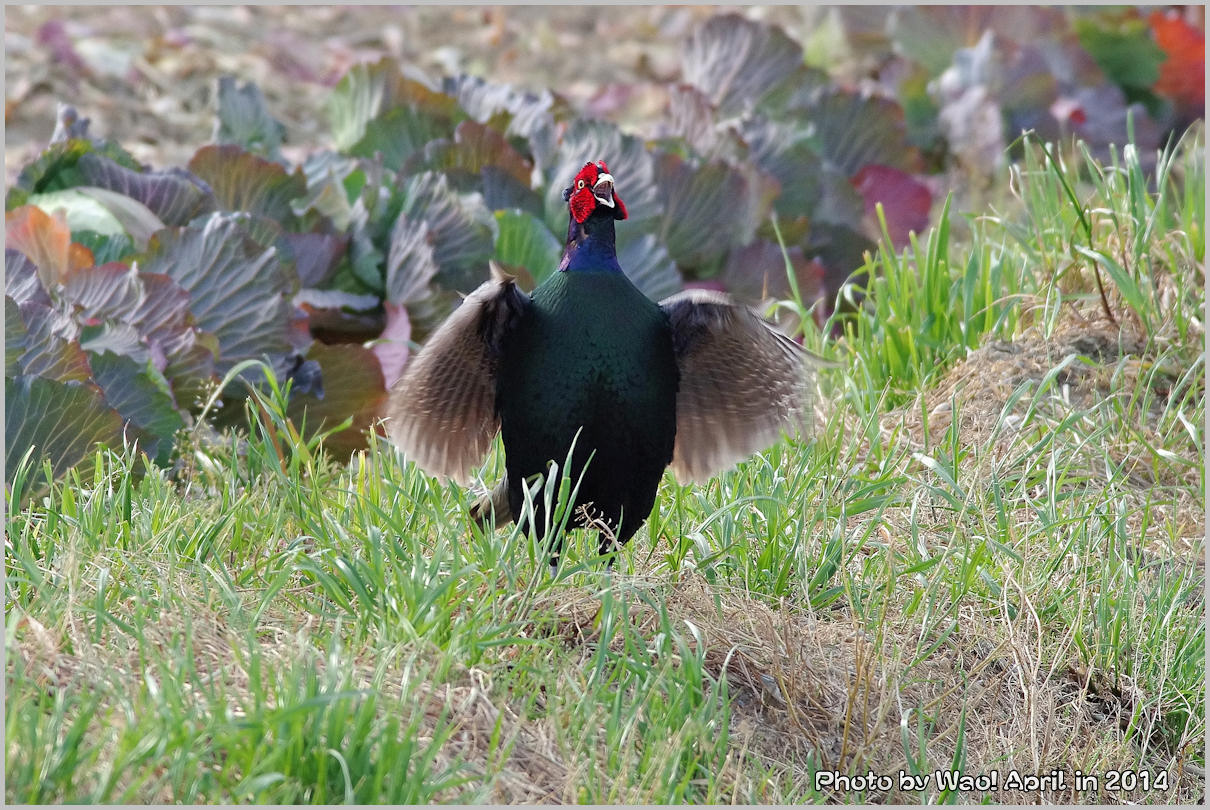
[[742, 383], [442, 412]]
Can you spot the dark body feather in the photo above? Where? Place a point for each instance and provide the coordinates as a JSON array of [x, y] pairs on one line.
[[591, 354]]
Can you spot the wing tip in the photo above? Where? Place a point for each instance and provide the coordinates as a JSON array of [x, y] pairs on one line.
[[497, 273]]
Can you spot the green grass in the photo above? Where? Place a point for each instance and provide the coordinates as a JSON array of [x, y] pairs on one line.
[[1001, 574]]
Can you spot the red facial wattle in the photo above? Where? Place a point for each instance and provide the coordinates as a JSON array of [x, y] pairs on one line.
[[582, 203], [593, 187]]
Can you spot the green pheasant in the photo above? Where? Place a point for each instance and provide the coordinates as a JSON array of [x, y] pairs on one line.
[[696, 381]]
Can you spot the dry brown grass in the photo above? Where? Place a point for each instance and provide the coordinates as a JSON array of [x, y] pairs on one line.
[[819, 686], [800, 685], [1100, 362]]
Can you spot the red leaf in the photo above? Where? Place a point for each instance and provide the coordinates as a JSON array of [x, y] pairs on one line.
[[353, 386], [905, 200], [1183, 73], [46, 241], [391, 347], [1068, 111], [243, 181]]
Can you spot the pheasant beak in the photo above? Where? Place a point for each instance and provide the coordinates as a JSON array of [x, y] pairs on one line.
[[603, 189]]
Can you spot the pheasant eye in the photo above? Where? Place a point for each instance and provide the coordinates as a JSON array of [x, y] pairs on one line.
[[580, 184]]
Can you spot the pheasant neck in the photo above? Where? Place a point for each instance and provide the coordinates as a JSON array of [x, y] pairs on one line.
[[590, 245]]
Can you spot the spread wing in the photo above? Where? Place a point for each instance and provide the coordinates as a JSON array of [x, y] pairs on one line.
[[741, 383], [442, 412]]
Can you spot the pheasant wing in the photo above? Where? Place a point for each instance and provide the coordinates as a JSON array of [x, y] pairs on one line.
[[741, 383], [442, 412]]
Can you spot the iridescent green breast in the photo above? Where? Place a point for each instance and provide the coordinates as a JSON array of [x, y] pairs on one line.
[[593, 354]]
